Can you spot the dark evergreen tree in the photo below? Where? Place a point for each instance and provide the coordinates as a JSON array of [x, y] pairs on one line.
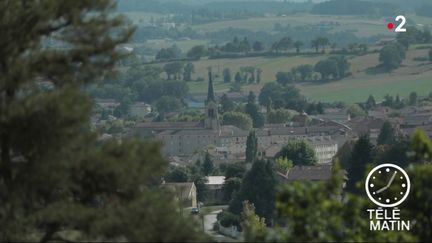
[[387, 134], [251, 147], [238, 78], [207, 166], [227, 75], [259, 188], [413, 98], [370, 103], [252, 110], [361, 155], [55, 176], [226, 104]]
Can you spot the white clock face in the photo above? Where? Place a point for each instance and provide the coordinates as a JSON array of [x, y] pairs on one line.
[[381, 179]]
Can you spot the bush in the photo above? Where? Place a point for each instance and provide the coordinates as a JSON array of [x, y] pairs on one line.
[[227, 219]]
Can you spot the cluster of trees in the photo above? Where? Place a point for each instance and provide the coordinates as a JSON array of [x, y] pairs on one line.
[[395, 102], [391, 56], [238, 46], [247, 74], [299, 152], [244, 117], [274, 96], [305, 210], [179, 70], [169, 53], [141, 84], [194, 173], [336, 66], [277, 116], [391, 146], [144, 33], [413, 35], [258, 187], [282, 45], [300, 73]]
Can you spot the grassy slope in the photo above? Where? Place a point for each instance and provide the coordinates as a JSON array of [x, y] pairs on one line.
[[361, 25], [412, 76]]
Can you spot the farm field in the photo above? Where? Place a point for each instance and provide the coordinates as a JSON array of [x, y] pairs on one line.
[[412, 76], [362, 26]]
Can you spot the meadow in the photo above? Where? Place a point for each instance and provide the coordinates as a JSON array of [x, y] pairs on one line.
[[360, 25], [411, 76]]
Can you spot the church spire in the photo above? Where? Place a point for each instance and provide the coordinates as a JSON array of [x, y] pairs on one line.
[[210, 92]]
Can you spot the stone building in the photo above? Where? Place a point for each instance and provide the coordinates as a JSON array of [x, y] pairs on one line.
[[188, 138]]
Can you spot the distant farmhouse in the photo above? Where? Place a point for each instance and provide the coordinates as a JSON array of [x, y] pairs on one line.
[[184, 139]]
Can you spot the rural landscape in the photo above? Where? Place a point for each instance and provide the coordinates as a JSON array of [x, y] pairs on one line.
[[216, 121]]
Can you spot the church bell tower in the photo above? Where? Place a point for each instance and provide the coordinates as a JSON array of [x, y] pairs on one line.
[[211, 121]]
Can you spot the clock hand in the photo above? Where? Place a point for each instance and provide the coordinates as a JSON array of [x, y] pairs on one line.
[[381, 190], [391, 179], [388, 184]]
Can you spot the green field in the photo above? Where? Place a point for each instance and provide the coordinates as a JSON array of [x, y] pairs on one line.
[[362, 26], [358, 90], [412, 76], [269, 65]]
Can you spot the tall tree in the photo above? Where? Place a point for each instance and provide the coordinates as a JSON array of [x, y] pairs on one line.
[[251, 147], [197, 52], [391, 56], [387, 134], [187, 71], [297, 46], [259, 188], [258, 76], [315, 44], [305, 71], [323, 42], [252, 110], [227, 75], [238, 77], [421, 145], [173, 70], [226, 104], [258, 46], [413, 98], [327, 68], [370, 103], [54, 174], [207, 166], [361, 155]]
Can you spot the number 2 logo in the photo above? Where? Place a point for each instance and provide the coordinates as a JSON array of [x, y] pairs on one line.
[[400, 27]]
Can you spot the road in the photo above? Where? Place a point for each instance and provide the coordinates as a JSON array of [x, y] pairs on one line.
[[209, 220]]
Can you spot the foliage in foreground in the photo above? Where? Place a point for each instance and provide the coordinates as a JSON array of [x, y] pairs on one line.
[[56, 178]]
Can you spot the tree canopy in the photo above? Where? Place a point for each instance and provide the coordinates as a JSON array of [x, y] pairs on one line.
[[299, 152], [55, 175]]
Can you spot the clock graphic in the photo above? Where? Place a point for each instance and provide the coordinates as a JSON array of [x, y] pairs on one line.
[[387, 185]]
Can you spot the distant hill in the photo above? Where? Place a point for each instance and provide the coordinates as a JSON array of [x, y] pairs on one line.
[[170, 6], [355, 7]]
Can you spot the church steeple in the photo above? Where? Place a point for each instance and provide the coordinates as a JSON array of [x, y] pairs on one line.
[[211, 121], [210, 92]]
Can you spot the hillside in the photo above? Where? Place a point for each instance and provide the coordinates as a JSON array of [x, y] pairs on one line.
[[412, 76]]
